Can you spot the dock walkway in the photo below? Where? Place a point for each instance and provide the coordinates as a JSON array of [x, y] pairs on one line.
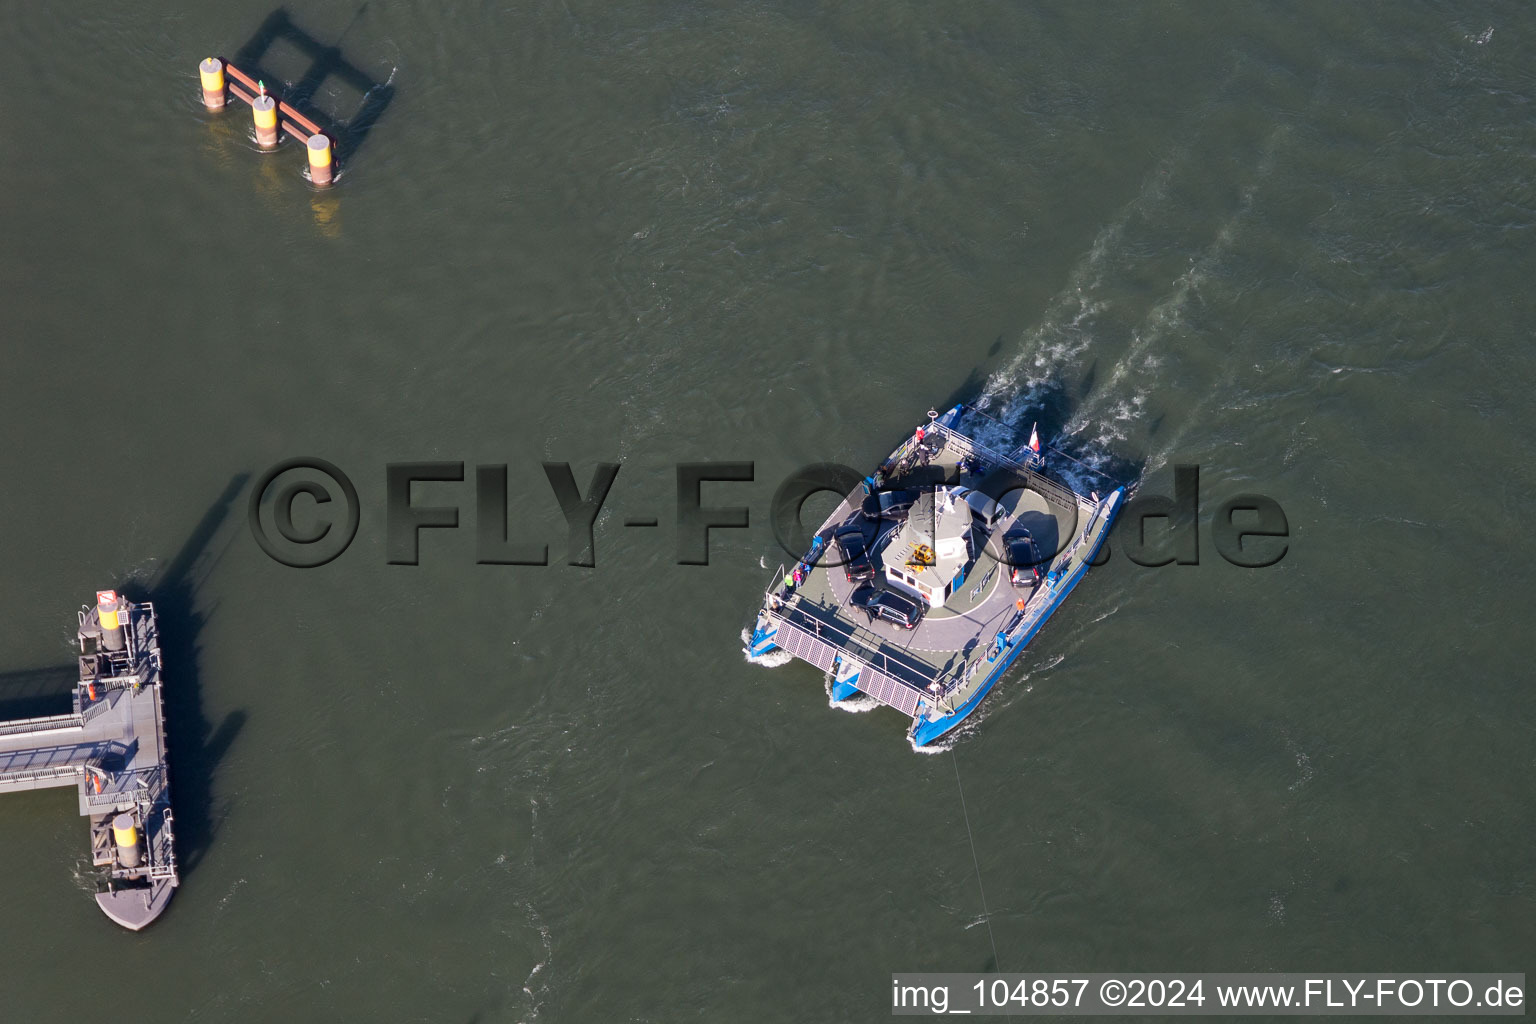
[[111, 747]]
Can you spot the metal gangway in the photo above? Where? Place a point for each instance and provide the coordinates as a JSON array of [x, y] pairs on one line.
[[901, 694]]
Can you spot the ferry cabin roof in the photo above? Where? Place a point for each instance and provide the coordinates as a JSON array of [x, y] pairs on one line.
[[931, 550]]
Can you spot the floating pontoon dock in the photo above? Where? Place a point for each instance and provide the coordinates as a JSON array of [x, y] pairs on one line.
[[111, 747]]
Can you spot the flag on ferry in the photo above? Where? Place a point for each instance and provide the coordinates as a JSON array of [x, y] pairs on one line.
[[1034, 439]]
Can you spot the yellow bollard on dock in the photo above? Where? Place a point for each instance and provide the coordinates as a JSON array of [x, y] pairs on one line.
[[211, 71], [107, 614], [264, 111], [320, 161], [126, 835]]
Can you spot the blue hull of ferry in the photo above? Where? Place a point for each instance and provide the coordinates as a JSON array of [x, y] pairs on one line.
[[842, 691], [926, 732]]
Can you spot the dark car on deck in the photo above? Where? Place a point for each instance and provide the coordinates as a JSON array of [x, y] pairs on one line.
[[1023, 559], [887, 605], [893, 505], [855, 554]]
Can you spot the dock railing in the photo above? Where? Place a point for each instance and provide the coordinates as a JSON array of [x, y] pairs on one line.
[[162, 857], [130, 785], [50, 723], [20, 776]]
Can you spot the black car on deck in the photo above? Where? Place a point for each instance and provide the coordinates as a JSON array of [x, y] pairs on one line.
[[1023, 559], [855, 553], [887, 605]]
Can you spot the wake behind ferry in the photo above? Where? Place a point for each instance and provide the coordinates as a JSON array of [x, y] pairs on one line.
[[927, 581]]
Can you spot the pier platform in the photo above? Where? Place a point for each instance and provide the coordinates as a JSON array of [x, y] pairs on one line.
[[111, 748]]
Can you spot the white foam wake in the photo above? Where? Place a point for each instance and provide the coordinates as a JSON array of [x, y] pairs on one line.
[[1064, 333], [944, 745], [1070, 340], [855, 705], [768, 659]]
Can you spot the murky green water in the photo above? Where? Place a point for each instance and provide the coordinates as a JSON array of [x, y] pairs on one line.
[[1290, 245]]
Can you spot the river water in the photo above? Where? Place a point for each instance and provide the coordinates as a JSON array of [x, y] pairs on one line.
[[1291, 246]]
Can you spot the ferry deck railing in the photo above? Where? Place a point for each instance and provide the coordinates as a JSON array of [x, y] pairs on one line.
[[869, 648], [900, 694], [1056, 493]]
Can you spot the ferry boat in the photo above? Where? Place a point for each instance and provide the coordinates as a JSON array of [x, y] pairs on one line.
[[927, 581]]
